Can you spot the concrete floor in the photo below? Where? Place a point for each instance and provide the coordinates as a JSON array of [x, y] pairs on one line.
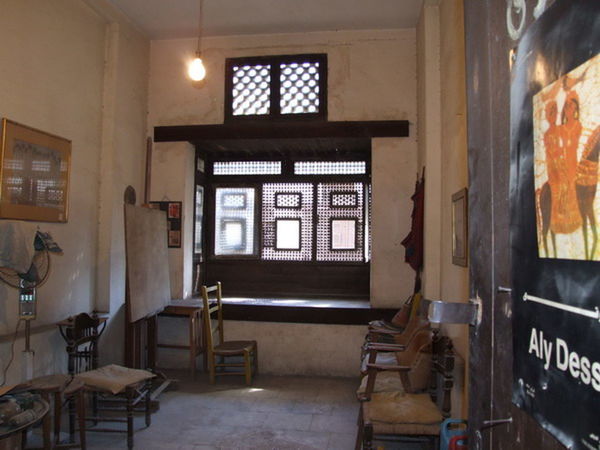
[[275, 413]]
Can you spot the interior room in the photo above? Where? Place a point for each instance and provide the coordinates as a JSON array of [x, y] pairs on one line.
[[340, 182]]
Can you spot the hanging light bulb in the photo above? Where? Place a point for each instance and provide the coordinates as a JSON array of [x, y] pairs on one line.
[[196, 69]]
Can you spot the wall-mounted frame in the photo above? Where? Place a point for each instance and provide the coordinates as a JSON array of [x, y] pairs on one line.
[[173, 210], [460, 239], [34, 174]]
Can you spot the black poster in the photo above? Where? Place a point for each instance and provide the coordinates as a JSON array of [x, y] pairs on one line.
[[555, 215]]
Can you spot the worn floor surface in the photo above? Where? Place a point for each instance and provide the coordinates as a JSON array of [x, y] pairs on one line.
[[279, 413], [274, 413]]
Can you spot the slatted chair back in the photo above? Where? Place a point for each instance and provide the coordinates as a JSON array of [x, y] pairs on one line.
[[213, 315], [82, 343]]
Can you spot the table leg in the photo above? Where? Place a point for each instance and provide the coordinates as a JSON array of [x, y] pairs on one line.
[[193, 339]]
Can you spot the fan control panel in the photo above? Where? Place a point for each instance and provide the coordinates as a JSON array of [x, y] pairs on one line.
[[27, 306]]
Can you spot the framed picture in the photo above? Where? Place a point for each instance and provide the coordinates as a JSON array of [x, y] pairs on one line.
[[460, 228], [173, 210], [34, 174]]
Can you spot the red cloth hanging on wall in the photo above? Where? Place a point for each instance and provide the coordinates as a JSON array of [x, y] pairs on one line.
[[414, 240]]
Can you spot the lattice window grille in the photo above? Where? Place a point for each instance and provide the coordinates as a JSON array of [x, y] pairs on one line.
[[251, 90], [234, 227], [270, 214], [247, 168], [343, 200], [325, 216], [293, 200], [234, 201], [330, 167], [299, 89]]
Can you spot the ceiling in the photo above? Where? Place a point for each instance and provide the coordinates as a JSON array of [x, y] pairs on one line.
[[174, 19]]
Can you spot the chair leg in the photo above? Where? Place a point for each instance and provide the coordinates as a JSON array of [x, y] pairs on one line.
[[80, 396], [255, 360], [368, 437], [72, 420], [211, 368], [57, 414], [359, 433], [247, 368], [147, 402], [130, 393], [46, 425]]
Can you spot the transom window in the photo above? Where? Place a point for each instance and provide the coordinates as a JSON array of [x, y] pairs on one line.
[[276, 87]]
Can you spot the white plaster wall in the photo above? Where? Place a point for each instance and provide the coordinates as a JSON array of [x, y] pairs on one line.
[[454, 279], [443, 150], [53, 78], [283, 348], [393, 183], [430, 144], [371, 76]]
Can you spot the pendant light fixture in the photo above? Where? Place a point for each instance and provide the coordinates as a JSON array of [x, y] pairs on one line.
[[196, 70]]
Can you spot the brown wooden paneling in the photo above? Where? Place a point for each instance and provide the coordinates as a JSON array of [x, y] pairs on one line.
[[283, 130], [271, 278]]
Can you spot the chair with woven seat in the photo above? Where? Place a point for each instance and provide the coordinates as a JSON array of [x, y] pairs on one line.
[[247, 350], [408, 413], [115, 389]]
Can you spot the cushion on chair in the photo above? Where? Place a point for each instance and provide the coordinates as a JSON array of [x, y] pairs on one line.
[[399, 413], [234, 347], [113, 378], [385, 382]]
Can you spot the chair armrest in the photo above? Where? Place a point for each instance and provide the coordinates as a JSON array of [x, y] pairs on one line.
[[385, 347], [384, 367]]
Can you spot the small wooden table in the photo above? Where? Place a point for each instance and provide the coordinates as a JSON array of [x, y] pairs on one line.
[[192, 309]]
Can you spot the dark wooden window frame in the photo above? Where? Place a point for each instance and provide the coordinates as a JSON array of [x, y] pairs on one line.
[[218, 266], [275, 96]]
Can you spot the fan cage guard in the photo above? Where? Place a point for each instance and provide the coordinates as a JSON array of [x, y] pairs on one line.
[[41, 259]]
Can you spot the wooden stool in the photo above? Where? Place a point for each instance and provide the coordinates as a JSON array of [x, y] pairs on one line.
[[61, 387]]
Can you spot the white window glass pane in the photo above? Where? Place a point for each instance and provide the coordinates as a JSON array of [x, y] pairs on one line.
[[233, 232], [234, 221], [330, 167], [343, 234], [288, 234], [247, 168]]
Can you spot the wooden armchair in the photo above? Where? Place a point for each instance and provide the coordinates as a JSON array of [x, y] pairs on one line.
[[384, 351], [248, 350], [406, 413], [416, 357]]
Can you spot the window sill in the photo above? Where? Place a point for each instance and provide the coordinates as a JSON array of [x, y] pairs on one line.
[[323, 311]]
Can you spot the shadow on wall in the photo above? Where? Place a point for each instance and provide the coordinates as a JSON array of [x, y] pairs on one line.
[[112, 342]]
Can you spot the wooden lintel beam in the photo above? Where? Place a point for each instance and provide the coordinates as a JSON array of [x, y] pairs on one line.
[[283, 130]]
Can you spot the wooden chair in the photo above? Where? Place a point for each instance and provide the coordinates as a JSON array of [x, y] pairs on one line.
[[396, 343], [394, 415], [112, 388], [416, 356], [248, 350]]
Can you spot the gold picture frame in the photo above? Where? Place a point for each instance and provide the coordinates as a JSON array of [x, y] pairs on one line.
[[460, 237], [34, 174]]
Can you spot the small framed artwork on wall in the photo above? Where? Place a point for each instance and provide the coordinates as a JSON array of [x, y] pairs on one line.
[[34, 174], [460, 235], [173, 210]]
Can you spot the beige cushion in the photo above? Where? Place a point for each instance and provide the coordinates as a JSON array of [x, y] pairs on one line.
[[113, 378], [385, 382], [396, 408]]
